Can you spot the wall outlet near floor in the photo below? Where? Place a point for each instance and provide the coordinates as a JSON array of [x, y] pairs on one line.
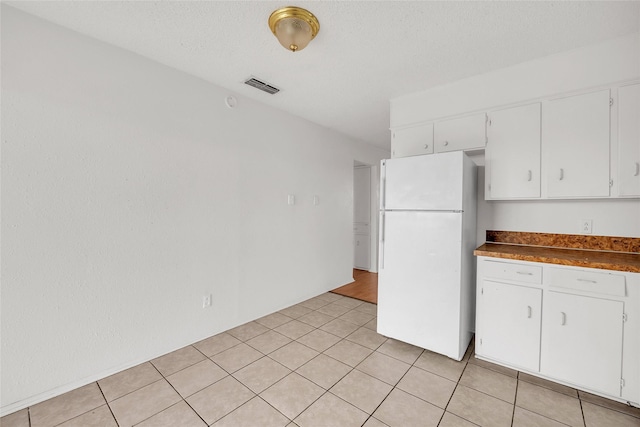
[[586, 226], [206, 301]]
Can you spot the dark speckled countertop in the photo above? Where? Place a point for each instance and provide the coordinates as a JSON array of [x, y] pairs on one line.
[[605, 252]]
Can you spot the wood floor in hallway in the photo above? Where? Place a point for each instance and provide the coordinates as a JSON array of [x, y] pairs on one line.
[[365, 287]]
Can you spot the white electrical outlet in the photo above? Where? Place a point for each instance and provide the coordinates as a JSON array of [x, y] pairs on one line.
[[586, 226], [206, 301]]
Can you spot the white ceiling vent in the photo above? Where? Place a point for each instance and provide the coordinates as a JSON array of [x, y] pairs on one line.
[[265, 87]]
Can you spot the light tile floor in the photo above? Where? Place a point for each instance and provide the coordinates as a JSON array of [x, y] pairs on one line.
[[320, 363]]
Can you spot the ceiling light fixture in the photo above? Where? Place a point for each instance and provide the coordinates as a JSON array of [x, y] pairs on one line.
[[294, 27]]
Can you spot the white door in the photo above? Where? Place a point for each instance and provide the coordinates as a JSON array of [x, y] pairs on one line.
[[582, 341], [629, 140], [575, 143], [361, 194], [512, 155], [509, 329], [423, 182], [361, 217], [419, 279]]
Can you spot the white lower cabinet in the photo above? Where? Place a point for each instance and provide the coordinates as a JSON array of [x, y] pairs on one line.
[[583, 341], [576, 326], [511, 324]]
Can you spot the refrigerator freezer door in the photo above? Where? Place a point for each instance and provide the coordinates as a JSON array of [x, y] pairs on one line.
[[432, 182], [419, 280]]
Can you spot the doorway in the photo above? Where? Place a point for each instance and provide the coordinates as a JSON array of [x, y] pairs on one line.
[[362, 216], [364, 287], [365, 234]]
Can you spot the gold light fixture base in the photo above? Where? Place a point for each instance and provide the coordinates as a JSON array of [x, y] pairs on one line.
[[294, 27]]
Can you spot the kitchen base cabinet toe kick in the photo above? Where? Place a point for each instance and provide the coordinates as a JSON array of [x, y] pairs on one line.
[[576, 326]]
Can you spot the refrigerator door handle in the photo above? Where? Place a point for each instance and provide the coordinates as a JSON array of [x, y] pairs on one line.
[[384, 192], [382, 242]]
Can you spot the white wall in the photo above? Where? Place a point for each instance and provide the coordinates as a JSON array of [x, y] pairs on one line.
[[604, 63], [619, 217], [129, 191], [607, 63]]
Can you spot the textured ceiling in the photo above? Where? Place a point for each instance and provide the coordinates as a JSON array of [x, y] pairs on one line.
[[365, 54]]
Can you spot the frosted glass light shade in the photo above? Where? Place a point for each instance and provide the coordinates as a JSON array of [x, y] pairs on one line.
[[294, 27]]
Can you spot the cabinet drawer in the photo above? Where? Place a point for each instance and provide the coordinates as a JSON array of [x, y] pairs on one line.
[[516, 272], [588, 281]]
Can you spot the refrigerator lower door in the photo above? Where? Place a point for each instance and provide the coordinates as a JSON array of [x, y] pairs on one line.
[[419, 281]]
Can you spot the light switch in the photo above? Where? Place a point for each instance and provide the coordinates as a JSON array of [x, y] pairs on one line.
[[316, 200], [291, 199]]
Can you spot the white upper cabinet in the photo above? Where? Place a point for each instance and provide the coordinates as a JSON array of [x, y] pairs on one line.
[[512, 156], [575, 145], [464, 133], [629, 140], [412, 141]]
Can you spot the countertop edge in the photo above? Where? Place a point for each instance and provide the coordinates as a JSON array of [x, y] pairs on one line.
[[551, 259]]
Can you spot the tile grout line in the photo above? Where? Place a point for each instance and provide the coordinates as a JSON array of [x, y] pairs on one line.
[[86, 412], [179, 395], [467, 362], [325, 391], [107, 403], [584, 421], [454, 390], [515, 399]]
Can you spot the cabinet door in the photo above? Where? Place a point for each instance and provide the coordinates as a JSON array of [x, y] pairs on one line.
[[575, 144], [512, 155], [361, 251], [461, 134], [412, 141], [509, 329], [629, 140], [582, 341]]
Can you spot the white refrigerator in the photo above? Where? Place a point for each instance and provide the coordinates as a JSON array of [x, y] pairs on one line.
[[426, 276]]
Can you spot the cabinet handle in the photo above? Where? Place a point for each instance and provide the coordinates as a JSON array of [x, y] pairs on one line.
[[637, 169], [564, 318], [426, 146], [525, 273], [446, 143], [529, 312], [529, 176], [586, 280], [561, 174]]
